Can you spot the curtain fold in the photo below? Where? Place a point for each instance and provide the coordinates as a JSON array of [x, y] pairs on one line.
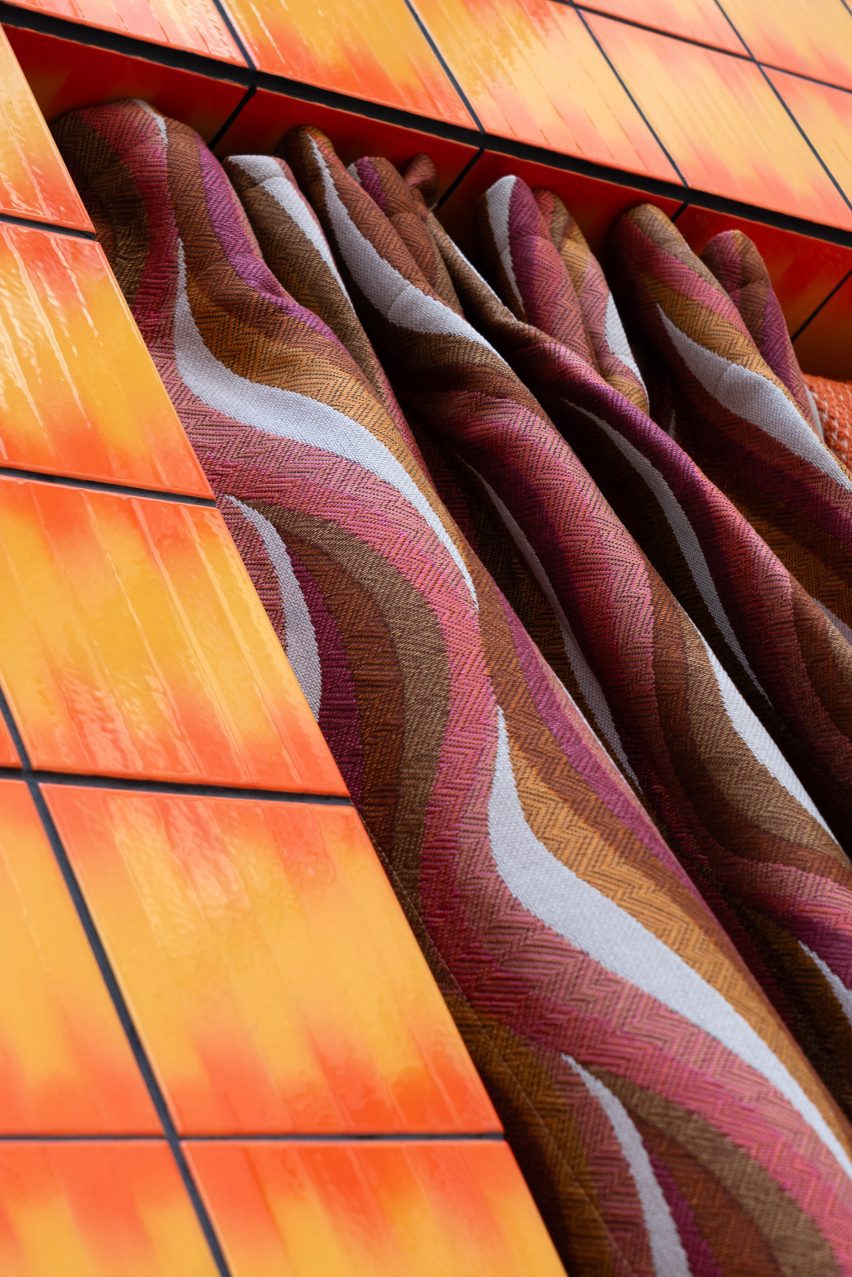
[[665, 1118]]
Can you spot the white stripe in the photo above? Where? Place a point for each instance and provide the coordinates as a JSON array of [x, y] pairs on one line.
[[616, 339], [498, 200], [757, 399], [382, 284], [300, 640], [836, 621], [757, 739], [667, 1251], [817, 419], [594, 924], [684, 534], [838, 988], [289, 415]]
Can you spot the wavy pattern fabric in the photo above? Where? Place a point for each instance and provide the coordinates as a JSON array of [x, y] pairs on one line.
[[666, 1120], [734, 416]]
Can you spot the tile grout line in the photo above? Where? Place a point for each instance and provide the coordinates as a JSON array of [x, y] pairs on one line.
[[119, 1002], [588, 6], [51, 478], [38, 224], [444, 64], [458, 179], [812, 316], [147, 785], [272, 1137]]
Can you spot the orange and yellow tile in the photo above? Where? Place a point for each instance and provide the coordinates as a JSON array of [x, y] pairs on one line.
[[97, 1210], [370, 49], [132, 643], [79, 394], [826, 116], [533, 74], [65, 1063], [812, 37], [372, 1210], [33, 180], [195, 26], [268, 967], [700, 20], [723, 124]]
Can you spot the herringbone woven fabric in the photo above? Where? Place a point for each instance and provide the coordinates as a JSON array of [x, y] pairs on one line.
[[833, 401], [665, 1118], [734, 416]]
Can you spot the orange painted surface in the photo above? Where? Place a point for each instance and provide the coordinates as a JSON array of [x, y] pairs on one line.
[[268, 967], [372, 1210], [371, 49], [97, 1210], [8, 753], [64, 74], [147, 650], [79, 394], [33, 180], [693, 19], [267, 116], [813, 37], [192, 25], [595, 204], [826, 116], [65, 1064], [533, 73], [723, 124], [825, 346]]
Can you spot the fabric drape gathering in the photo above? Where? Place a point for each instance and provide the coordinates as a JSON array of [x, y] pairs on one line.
[[570, 598]]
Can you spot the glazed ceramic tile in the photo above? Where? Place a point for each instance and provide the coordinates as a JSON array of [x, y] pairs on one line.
[[371, 49], [372, 1210], [97, 1210], [533, 74], [193, 25], [79, 394], [8, 752], [268, 966], [65, 1063], [813, 38], [723, 124], [826, 116], [132, 643], [33, 180], [700, 20]]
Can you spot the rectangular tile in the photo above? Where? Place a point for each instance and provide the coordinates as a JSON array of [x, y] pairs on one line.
[[97, 1210], [372, 1210], [701, 20], [813, 38], [826, 116], [132, 643], [803, 269], [65, 1064], [68, 73], [533, 74], [723, 124], [195, 26], [370, 49], [267, 117], [33, 180], [79, 394], [268, 967], [825, 345]]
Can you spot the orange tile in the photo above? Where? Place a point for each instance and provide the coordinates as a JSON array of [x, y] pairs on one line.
[[804, 270], [693, 19], [33, 180], [268, 967], [65, 1063], [132, 643], [826, 116], [825, 346], [64, 74], [814, 38], [195, 26], [97, 1210], [371, 49], [267, 116], [533, 74], [595, 204], [8, 752], [372, 1210], [79, 394], [723, 124]]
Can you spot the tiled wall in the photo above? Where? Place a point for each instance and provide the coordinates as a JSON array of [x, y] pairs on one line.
[[221, 1050], [722, 109]]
